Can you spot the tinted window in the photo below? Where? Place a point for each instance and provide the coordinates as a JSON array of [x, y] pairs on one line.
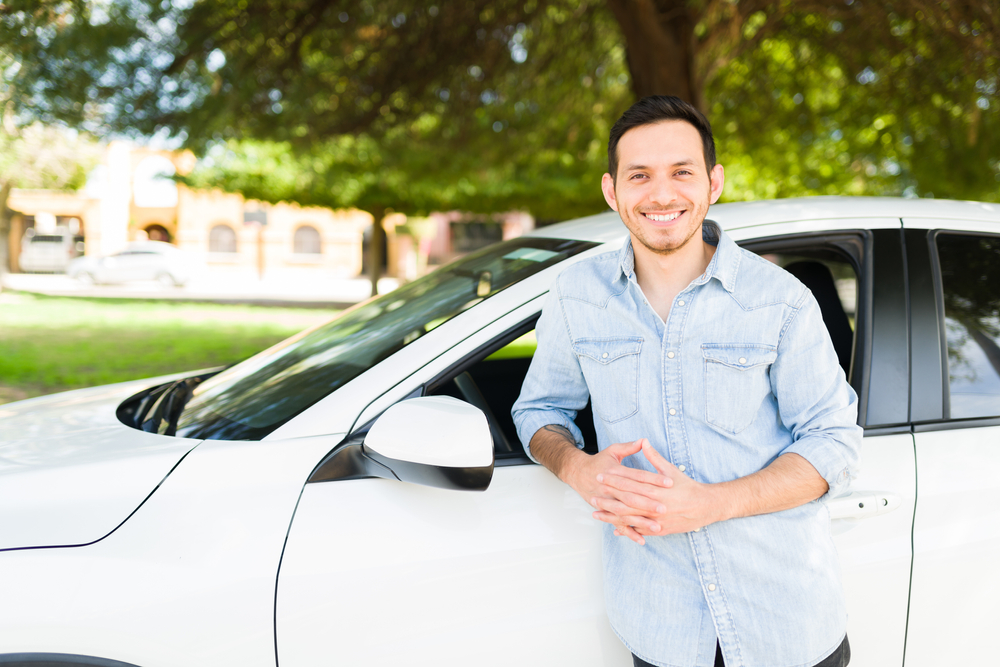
[[970, 279], [253, 398]]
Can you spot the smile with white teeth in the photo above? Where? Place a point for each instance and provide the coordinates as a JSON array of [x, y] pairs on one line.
[[664, 217]]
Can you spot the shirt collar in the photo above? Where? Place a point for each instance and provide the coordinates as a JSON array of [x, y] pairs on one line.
[[723, 267]]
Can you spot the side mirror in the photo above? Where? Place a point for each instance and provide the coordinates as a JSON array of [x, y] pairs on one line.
[[433, 441]]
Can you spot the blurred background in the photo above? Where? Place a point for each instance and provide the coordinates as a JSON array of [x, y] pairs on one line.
[[185, 182]]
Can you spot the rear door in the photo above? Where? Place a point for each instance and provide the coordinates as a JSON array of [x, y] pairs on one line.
[[955, 296]]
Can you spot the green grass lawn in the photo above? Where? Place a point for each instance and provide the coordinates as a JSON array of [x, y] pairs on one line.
[[50, 344]]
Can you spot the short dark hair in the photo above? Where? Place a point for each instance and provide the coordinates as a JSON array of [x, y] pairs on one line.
[[655, 109]]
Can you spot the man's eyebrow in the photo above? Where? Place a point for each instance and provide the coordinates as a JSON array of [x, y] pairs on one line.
[[687, 162]]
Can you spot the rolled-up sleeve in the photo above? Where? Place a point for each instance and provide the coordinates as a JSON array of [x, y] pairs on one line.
[[816, 403], [554, 389]]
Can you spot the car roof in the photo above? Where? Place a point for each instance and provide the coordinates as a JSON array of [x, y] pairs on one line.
[[151, 246], [608, 226]]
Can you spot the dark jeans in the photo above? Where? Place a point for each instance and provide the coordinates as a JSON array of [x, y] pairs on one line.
[[839, 658]]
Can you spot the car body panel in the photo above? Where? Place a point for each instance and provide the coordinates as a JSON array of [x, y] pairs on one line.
[[188, 580], [70, 472], [956, 539], [875, 553], [508, 576]]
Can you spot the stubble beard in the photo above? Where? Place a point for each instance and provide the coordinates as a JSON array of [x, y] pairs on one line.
[[661, 250]]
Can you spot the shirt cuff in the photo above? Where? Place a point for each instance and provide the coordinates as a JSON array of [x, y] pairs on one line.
[[827, 457]]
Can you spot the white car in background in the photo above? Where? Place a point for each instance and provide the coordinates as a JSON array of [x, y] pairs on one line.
[[49, 252], [142, 260], [312, 504]]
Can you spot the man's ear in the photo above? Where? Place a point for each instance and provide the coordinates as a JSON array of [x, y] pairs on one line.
[[718, 179], [608, 188]]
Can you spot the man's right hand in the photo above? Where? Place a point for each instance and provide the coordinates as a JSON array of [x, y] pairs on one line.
[[553, 446]]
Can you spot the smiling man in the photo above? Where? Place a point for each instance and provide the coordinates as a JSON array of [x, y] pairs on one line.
[[722, 417]]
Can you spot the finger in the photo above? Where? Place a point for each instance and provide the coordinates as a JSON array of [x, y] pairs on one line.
[[626, 531], [643, 476], [655, 458], [623, 509], [623, 483], [633, 523], [642, 503], [634, 536], [622, 449]]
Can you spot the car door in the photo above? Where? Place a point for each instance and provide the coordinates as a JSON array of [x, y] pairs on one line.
[[955, 288], [382, 572], [871, 526]]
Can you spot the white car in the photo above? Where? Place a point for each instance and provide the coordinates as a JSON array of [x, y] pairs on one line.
[[142, 260], [312, 504], [49, 252]]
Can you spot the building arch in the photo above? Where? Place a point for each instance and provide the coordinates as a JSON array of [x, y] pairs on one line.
[[307, 241], [157, 232], [222, 239]]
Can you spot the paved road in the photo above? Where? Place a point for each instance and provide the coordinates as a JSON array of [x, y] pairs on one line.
[[327, 293]]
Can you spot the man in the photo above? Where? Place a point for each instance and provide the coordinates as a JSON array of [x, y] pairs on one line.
[[712, 372]]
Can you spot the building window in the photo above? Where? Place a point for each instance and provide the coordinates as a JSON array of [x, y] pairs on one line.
[[306, 241], [221, 238]]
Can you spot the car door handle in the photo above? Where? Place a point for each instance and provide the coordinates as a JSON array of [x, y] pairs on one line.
[[863, 504]]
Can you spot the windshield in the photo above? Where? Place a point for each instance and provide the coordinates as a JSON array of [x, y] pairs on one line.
[[251, 399]]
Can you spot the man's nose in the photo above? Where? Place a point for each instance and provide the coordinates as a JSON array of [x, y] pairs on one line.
[[663, 191]]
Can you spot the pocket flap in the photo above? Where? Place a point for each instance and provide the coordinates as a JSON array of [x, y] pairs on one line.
[[606, 350], [739, 356]]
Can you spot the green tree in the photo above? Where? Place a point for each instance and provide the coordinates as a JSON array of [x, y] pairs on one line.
[[806, 96]]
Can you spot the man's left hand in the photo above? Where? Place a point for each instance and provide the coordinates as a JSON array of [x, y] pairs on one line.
[[683, 504]]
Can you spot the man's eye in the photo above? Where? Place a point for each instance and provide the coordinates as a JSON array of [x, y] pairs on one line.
[[635, 177]]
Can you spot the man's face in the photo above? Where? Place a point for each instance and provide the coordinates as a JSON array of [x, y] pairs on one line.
[[663, 189]]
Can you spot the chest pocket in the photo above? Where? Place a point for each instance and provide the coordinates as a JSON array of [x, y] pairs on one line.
[[737, 380], [611, 367]]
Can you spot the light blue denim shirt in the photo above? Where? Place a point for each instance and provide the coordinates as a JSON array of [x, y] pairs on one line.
[[741, 372]]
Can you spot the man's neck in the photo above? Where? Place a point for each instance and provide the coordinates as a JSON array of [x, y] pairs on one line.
[[662, 277]]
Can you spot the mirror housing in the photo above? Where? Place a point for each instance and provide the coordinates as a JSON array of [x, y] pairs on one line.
[[433, 441]]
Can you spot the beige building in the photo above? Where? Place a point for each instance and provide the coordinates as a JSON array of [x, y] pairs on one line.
[[131, 197]]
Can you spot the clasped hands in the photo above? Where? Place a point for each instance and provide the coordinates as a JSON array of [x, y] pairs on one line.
[[641, 503]]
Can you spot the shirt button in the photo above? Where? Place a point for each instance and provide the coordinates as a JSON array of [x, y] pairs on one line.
[[711, 587], [672, 411], [680, 303], [605, 356], [697, 530], [743, 360], [670, 355], [681, 468]]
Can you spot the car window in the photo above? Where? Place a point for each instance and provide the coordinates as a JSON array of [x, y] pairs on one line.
[[492, 383], [253, 398], [831, 276], [970, 282]]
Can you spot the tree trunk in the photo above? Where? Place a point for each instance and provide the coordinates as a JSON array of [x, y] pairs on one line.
[[376, 248], [5, 214], [660, 47]]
